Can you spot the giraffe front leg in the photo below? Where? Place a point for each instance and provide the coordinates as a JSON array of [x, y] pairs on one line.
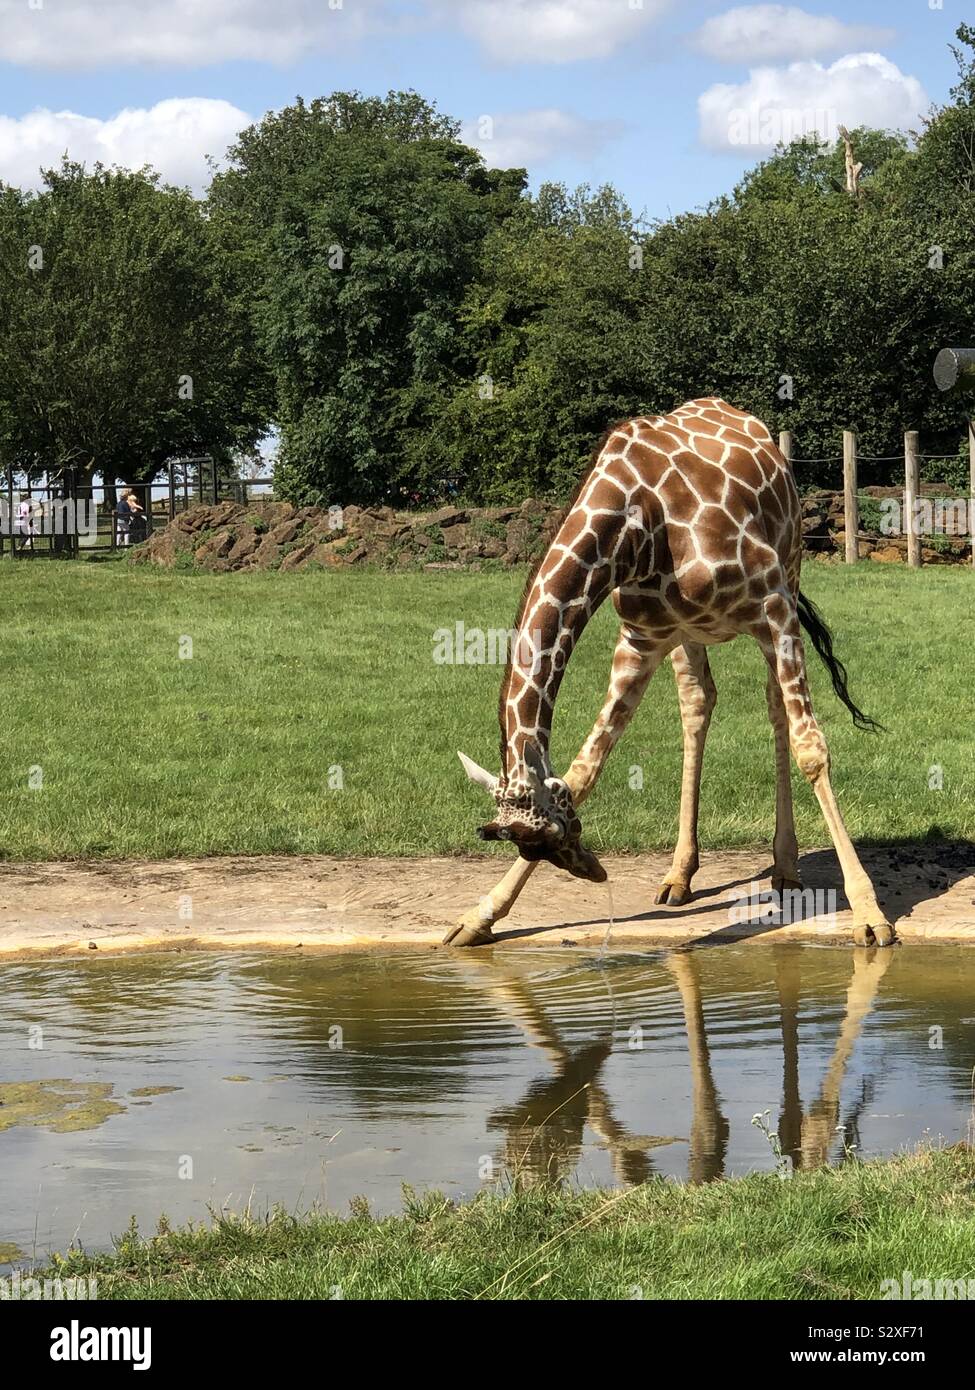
[[474, 928], [698, 697], [634, 662], [782, 644]]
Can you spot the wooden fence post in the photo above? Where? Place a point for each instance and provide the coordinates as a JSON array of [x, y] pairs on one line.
[[851, 511], [912, 487], [785, 445], [971, 486]]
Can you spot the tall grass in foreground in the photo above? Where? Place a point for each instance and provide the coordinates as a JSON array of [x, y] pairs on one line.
[[829, 1234]]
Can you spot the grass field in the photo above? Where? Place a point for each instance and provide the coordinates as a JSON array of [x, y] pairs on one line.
[[830, 1234], [142, 753]]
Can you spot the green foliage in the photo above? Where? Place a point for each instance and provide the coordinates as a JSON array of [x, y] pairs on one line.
[[419, 327], [113, 290], [367, 247]]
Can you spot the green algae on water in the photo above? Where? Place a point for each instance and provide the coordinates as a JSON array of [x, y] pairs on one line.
[[154, 1090], [59, 1105], [9, 1253]]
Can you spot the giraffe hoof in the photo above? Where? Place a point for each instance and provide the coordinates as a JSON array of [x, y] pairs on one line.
[[882, 934], [463, 934], [674, 894]]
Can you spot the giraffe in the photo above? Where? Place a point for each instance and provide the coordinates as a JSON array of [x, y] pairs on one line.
[[691, 523]]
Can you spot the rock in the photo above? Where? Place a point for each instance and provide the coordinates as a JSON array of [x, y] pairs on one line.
[[935, 557], [327, 554], [295, 558], [244, 547], [284, 533], [266, 555], [165, 547], [380, 513], [449, 516], [223, 513], [458, 535], [215, 548], [888, 555], [520, 539]]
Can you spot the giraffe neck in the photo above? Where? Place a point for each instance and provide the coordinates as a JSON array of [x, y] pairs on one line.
[[578, 572]]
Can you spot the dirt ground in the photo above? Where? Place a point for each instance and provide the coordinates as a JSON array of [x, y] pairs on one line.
[[64, 909]]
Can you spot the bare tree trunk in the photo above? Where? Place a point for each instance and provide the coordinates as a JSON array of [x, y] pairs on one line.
[[853, 169]]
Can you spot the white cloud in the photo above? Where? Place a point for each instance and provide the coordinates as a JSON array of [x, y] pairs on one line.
[[778, 104], [551, 31], [528, 138], [766, 33], [174, 137], [98, 33], [75, 34]]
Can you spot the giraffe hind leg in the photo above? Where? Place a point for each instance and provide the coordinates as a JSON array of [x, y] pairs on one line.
[[785, 848], [698, 696], [781, 642]]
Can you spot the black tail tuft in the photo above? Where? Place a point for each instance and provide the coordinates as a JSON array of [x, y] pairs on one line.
[[822, 639]]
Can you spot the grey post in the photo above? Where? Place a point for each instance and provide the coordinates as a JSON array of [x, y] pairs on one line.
[[953, 365]]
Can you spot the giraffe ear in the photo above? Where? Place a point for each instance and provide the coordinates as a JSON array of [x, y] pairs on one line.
[[477, 774], [535, 765]]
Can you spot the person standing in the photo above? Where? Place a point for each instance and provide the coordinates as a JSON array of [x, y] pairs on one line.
[[137, 524], [123, 520], [25, 523]]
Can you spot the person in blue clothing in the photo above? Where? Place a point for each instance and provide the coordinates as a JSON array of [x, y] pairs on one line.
[[123, 520]]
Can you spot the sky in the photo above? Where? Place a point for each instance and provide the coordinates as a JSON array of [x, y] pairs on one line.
[[669, 100]]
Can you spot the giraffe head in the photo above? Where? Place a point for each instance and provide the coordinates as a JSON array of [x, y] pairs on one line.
[[537, 814]]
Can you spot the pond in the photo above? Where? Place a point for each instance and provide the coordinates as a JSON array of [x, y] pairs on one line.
[[182, 1084]]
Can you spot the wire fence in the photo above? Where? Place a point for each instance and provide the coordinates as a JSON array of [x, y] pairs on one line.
[[927, 512]]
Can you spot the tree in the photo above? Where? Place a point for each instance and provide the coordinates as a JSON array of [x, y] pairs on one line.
[[124, 340], [367, 217], [549, 325]]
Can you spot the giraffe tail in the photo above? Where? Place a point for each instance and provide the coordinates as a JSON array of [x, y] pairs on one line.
[[822, 639]]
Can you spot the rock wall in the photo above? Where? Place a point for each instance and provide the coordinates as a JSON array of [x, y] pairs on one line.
[[277, 535]]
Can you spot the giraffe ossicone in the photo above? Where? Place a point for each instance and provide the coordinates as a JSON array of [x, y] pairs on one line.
[[691, 523]]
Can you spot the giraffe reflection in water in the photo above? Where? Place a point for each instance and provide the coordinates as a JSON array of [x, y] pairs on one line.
[[544, 1131], [807, 1136]]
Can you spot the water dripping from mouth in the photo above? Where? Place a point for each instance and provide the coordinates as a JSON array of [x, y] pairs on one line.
[[610, 923]]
